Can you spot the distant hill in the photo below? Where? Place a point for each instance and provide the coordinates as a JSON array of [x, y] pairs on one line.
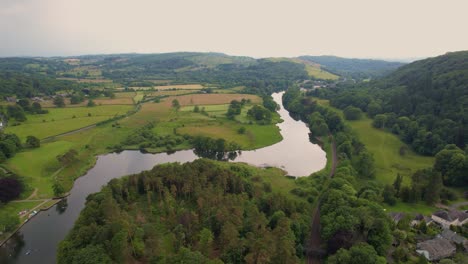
[[355, 68], [137, 70], [314, 70]]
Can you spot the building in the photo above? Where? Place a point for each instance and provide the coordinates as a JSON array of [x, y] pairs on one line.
[[453, 237], [419, 218], [448, 218], [436, 249]]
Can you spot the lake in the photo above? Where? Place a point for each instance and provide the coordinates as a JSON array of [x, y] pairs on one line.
[[37, 240]]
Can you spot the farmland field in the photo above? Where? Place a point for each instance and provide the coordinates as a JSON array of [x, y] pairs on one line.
[[114, 101], [138, 97], [61, 120], [205, 99], [41, 166], [180, 86], [169, 92]]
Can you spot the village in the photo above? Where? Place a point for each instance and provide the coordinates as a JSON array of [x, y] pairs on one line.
[[441, 236]]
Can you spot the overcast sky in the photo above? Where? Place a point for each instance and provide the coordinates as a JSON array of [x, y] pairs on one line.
[[258, 28]]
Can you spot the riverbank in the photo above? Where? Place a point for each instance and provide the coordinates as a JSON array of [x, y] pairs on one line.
[[43, 206]]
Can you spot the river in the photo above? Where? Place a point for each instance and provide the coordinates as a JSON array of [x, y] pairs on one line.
[[37, 240]]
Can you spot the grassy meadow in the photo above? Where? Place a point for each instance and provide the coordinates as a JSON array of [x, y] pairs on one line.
[[61, 120], [38, 166], [385, 147]]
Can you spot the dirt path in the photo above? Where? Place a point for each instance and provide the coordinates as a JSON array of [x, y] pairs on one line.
[[314, 249], [68, 133], [25, 201], [33, 194]]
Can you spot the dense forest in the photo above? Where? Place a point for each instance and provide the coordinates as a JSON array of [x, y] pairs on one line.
[[200, 212], [423, 102]]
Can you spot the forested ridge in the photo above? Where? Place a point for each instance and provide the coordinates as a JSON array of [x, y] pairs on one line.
[[423, 102], [199, 212], [354, 68]]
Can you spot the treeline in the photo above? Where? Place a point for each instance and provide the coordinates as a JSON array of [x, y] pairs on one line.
[[199, 212], [261, 114], [218, 149], [423, 103], [146, 138], [29, 85]]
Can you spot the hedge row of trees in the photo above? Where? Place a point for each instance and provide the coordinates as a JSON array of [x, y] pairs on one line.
[[200, 212], [145, 138]]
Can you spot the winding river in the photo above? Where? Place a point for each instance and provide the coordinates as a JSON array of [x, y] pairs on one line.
[[37, 241]]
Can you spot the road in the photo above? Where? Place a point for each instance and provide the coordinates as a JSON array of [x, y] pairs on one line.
[[314, 249]]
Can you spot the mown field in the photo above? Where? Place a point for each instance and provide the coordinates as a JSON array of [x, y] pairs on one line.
[[61, 120]]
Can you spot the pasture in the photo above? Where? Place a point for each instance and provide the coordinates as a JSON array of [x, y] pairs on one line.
[[38, 166], [61, 120]]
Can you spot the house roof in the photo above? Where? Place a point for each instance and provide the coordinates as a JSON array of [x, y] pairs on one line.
[[437, 248], [419, 217], [452, 236], [452, 215]]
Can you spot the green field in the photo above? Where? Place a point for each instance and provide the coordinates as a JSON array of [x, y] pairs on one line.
[[211, 109], [138, 97], [37, 166], [386, 150], [385, 147], [216, 125], [410, 208], [61, 120]]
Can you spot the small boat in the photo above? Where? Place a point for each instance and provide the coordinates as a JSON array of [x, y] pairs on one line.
[[28, 252]]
